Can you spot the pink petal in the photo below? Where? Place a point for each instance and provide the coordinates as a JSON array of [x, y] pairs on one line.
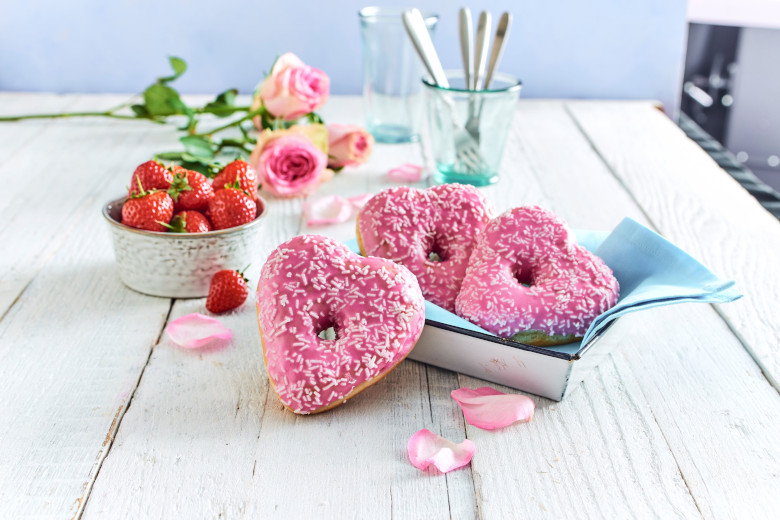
[[197, 331], [487, 408], [426, 448], [406, 173], [327, 210], [358, 201]]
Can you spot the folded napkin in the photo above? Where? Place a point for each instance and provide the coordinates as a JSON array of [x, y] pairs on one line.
[[651, 271]]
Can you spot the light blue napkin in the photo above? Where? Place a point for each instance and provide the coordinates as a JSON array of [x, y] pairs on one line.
[[651, 271]]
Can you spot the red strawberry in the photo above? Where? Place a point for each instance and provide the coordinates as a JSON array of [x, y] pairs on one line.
[[190, 189], [149, 210], [238, 171], [227, 291], [153, 176], [189, 222], [230, 208]]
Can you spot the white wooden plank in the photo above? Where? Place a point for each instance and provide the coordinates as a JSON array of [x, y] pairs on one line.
[[72, 349], [701, 208], [74, 344], [61, 171], [716, 410], [15, 136]]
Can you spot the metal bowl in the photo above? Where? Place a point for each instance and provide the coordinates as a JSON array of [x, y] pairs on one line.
[[179, 265]]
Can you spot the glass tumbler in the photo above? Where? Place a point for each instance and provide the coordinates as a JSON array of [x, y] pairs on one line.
[[392, 94], [468, 128]]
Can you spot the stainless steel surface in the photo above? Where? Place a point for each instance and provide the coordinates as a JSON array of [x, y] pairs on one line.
[[481, 49], [483, 39], [421, 40], [497, 49], [179, 265], [467, 150], [466, 42]]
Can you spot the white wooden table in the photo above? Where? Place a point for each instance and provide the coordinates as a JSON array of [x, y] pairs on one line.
[[102, 417]]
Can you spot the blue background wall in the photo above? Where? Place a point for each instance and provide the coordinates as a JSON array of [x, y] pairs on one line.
[[559, 48]]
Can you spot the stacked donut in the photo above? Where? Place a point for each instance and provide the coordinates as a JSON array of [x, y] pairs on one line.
[[520, 275]]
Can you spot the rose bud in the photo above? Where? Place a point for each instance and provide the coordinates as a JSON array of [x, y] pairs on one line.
[[292, 90], [348, 145]]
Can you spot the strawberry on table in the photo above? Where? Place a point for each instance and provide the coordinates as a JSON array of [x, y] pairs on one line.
[[150, 210], [190, 189], [237, 172], [227, 291], [231, 207], [152, 176], [189, 221]]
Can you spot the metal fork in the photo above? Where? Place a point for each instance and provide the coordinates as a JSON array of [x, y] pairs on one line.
[[480, 57], [502, 29], [467, 152]]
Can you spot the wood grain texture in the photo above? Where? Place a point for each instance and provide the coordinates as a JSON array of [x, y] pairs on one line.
[[55, 177], [73, 340], [701, 208], [72, 348], [677, 423]]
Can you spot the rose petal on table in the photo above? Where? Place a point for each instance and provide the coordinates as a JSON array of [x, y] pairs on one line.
[[196, 331], [487, 408], [358, 201], [406, 173], [426, 448], [333, 209]]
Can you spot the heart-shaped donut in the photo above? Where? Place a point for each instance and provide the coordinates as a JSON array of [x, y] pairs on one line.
[[431, 232], [312, 284], [528, 275]]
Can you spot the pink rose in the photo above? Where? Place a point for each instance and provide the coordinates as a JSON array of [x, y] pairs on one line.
[[288, 163], [293, 89], [349, 145]]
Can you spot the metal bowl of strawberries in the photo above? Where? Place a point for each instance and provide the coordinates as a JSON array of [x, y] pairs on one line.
[[176, 228]]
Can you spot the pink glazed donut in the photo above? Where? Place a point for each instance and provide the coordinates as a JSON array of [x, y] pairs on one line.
[[529, 280], [431, 232], [311, 284]]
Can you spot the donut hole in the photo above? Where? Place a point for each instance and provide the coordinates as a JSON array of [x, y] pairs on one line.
[[436, 252], [328, 334], [524, 277], [325, 327]]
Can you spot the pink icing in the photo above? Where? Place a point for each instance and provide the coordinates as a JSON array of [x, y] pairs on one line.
[[568, 286], [406, 225], [311, 283]]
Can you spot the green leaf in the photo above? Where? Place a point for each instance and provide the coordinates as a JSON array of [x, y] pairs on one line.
[[178, 65], [169, 156], [199, 147], [223, 105], [228, 97], [162, 100], [140, 110], [209, 170], [314, 118]]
